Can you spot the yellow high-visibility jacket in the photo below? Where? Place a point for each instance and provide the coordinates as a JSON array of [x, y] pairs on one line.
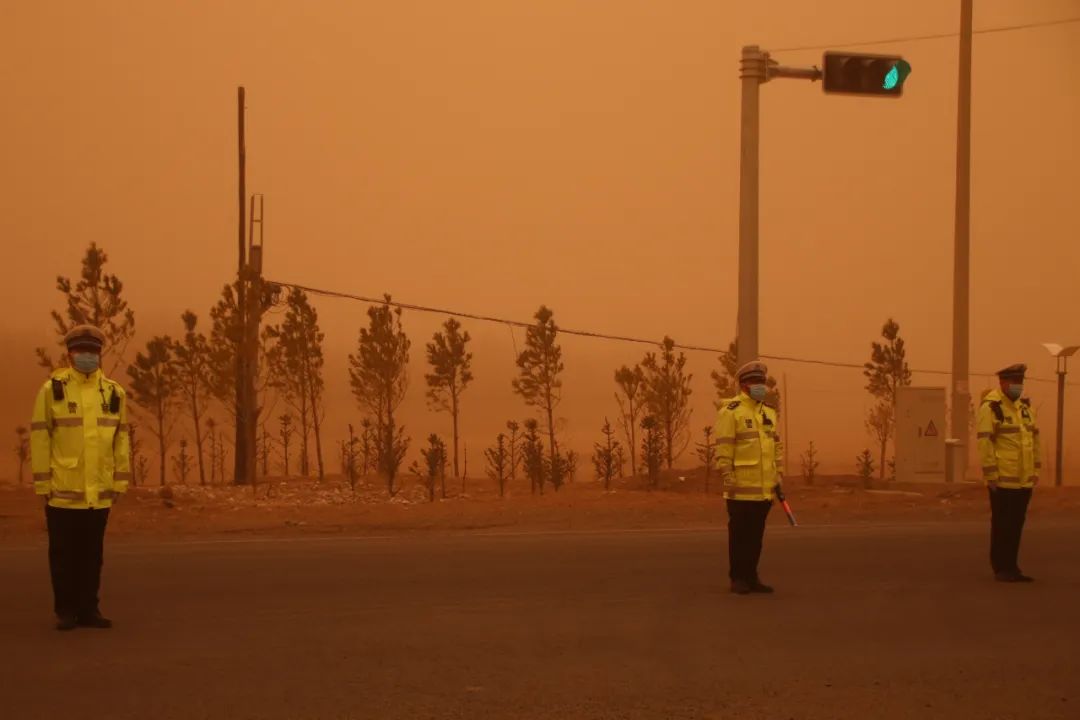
[[80, 444], [749, 454], [1009, 446]]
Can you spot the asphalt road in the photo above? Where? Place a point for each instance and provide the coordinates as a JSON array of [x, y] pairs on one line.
[[881, 622]]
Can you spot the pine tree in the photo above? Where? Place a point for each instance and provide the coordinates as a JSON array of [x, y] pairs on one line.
[[538, 382], [810, 464], [451, 373], [606, 456], [299, 361], [379, 377], [192, 367], [285, 433], [434, 468], [667, 397], [515, 454], [532, 456], [864, 463], [498, 460], [706, 452], [96, 299], [182, 463], [652, 450], [886, 371], [22, 449], [630, 396], [154, 388]]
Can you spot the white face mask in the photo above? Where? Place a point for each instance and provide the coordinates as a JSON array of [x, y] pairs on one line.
[[86, 362], [759, 391], [1014, 391]]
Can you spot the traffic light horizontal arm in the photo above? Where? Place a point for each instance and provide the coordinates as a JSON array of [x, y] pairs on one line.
[[813, 73]]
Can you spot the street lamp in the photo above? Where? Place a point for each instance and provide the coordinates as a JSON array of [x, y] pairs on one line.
[[1062, 355]]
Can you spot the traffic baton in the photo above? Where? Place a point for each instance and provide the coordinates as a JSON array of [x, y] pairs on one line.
[[787, 508]]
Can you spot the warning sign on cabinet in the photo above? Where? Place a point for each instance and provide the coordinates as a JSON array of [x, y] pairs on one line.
[[931, 430]]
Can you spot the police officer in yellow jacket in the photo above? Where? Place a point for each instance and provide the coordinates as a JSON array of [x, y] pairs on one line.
[[81, 454], [749, 456], [1009, 452]]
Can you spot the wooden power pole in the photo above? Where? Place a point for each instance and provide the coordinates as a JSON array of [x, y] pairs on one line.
[[246, 302]]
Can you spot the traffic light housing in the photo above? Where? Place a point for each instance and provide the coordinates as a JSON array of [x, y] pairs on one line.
[[863, 74]]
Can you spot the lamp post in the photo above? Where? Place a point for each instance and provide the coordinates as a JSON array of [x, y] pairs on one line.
[[1061, 355]]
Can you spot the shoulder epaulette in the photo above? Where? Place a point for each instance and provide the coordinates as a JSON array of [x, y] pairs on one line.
[[995, 406], [732, 405]]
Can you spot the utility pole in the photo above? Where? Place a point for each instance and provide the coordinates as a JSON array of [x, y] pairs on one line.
[[240, 456], [961, 393], [248, 312]]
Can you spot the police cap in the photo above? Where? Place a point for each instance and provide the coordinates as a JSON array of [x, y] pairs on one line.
[[1013, 372], [86, 338], [752, 372]]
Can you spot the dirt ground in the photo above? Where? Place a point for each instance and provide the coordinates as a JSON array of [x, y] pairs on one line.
[[296, 507]]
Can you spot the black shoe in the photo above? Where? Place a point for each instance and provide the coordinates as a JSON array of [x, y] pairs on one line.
[[1009, 577], [95, 621], [66, 622], [760, 587], [741, 587], [1021, 577]]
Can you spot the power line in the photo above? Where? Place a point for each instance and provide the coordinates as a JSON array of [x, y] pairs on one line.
[[936, 36], [511, 324]]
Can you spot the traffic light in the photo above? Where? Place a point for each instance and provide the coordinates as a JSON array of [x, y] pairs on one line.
[[862, 74]]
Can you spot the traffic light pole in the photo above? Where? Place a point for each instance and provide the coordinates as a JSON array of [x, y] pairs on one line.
[[755, 68]]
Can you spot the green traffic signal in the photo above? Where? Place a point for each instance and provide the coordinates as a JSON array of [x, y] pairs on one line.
[[897, 74]]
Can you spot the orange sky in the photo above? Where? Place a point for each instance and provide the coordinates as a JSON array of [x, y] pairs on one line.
[[490, 156]]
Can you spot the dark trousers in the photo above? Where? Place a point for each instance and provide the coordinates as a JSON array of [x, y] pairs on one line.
[[76, 540], [1008, 508], [746, 529]]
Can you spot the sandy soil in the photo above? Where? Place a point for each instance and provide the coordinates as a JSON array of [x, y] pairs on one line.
[[295, 506]]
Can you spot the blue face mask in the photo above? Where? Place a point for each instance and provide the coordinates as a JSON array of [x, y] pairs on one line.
[[758, 392], [1014, 391], [85, 362]]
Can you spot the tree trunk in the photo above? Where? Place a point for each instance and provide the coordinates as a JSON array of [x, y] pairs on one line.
[[454, 412], [387, 451], [669, 438], [161, 438], [513, 457], [316, 424], [195, 417], [633, 439], [553, 450], [881, 469], [285, 450], [465, 470], [305, 466]]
